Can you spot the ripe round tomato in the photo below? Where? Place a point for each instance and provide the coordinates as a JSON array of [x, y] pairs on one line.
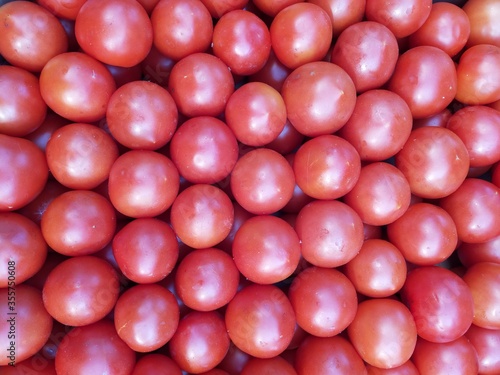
[[472, 253], [63, 9], [156, 364], [124, 36], [271, 366], [486, 342], [342, 13], [482, 15]]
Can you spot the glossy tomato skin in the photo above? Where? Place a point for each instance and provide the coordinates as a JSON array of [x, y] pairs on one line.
[[342, 13], [201, 85], [331, 233], [78, 222], [378, 270], [23, 248], [407, 368], [146, 250], [262, 181], [426, 94], [475, 208], [324, 301], [272, 73], [328, 356], [381, 194], [143, 183], [301, 33], [379, 125], [95, 348], [482, 17], [242, 40], [76, 86], [260, 320], [319, 98], [23, 108], [266, 249], [31, 35], [383, 332], [33, 324], [218, 8], [486, 342], [368, 52], [435, 162], [146, 317], [483, 279], [181, 28], [440, 302], [117, 42], [457, 357], [62, 8], [472, 253], [200, 342], [142, 115], [88, 282], [156, 364], [326, 167]]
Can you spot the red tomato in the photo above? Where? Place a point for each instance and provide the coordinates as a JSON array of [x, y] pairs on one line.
[[272, 73], [301, 33], [331, 233], [260, 320], [146, 250], [268, 366], [378, 270], [156, 364], [319, 98], [266, 249], [118, 41], [486, 343], [472, 253], [31, 35], [383, 332], [407, 368], [95, 348], [181, 28], [43, 133], [483, 17], [67, 9], [440, 302], [426, 94], [242, 40], [368, 52], [88, 282], [342, 13], [76, 86], [273, 7], [218, 8], [141, 311]]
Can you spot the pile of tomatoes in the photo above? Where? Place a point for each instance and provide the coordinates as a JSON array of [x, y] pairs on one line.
[[249, 187]]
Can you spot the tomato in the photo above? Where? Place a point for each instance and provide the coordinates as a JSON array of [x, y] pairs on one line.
[[478, 78], [426, 94], [262, 181], [447, 28], [156, 364], [206, 279], [23, 108], [242, 41], [475, 209], [94, 348], [273, 7], [201, 85], [117, 42], [426, 234], [23, 248], [181, 28], [143, 183], [483, 280], [328, 356], [33, 365], [218, 8], [145, 250], [452, 358], [31, 35], [88, 282], [482, 15], [379, 125], [342, 13], [271, 366], [383, 332], [25, 333], [256, 113], [319, 98], [407, 368], [156, 67], [440, 119], [486, 342], [368, 52], [378, 270], [331, 233], [326, 167], [381, 194], [435, 162], [240, 216], [43, 133], [200, 342], [142, 115], [273, 73], [402, 18], [301, 33], [76, 86], [472, 253], [140, 311], [67, 9], [260, 320], [440, 301], [479, 128]]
